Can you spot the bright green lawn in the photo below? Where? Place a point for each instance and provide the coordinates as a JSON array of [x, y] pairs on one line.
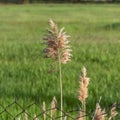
[[95, 41]]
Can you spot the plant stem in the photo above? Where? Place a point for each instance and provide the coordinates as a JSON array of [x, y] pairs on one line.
[[84, 110], [60, 77]]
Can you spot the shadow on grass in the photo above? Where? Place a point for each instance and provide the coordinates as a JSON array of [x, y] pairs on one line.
[[112, 26]]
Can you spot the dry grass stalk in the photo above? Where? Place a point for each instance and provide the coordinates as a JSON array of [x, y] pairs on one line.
[[25, 116], [99, 113], [53, 107], [113, 112], [80, 115], [44, 111], [65, 118]]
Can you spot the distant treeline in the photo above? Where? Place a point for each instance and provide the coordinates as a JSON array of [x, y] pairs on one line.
[[59, 1]]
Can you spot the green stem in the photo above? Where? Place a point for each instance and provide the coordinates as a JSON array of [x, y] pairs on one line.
[[60, 77]]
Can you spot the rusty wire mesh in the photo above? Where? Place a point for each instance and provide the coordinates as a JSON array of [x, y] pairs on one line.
[[21, 111]]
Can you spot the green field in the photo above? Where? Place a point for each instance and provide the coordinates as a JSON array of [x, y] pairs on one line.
[[95, 41]]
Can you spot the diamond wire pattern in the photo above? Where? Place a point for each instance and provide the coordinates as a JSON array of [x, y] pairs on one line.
[[21, 111]]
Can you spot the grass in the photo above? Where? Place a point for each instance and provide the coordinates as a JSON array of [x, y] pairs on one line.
[[95, 40]]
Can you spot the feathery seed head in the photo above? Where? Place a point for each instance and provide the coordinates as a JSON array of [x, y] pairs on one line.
[[99, 113], [57, 44], [53, 106], [66, 56], [83, 84], [84, 73], [53, 103], [53, 25], [113, 111]]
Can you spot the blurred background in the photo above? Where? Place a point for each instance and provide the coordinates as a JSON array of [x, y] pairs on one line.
[[59, 1]]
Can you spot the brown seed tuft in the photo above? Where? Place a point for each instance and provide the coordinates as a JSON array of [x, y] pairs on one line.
[[83, 84], [113, 112], [99, 113], [53, 106], [57, 44]]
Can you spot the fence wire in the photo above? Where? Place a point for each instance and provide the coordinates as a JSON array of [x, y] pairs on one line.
[[8, 111]]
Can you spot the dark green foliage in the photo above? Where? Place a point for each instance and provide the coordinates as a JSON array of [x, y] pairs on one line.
[[12, 1], [60, 1]]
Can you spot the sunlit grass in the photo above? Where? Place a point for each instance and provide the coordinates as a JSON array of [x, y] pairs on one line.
[[95, 41]]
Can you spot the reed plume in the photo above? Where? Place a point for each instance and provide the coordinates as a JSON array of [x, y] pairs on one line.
[[56, 42], [113, 112], [53, 107], [83, 89], [83, 84], [99, 113]]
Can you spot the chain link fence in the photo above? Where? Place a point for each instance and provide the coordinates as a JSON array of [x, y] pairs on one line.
[[14, 111], [6, 112]]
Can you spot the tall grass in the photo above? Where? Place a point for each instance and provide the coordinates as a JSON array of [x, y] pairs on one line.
[[94, 31]]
